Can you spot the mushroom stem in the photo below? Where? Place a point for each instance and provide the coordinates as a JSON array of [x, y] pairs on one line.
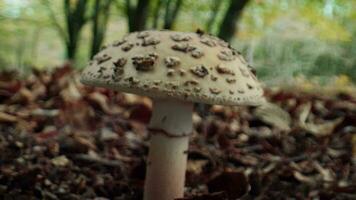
[[170, 125]]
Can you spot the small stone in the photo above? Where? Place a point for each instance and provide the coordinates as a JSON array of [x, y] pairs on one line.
[[231, 92], [60, 161], [127, 46], [172, 61], [199, 71], [108, 135]]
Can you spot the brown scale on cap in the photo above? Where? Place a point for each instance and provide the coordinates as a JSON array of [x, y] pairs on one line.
[[244, 72], [226, 55], [170, 72], [142, 34], [180, 37], [215, 90], [224, 70], [127, 46], [252, 69], [144, 63], [213, 78], [132, 80], [208, 42], [151, 40], [249, 86], [119, 66], [172, 61], [103, 47], [230, 80], [119, 42], [199, 71], [183, 47], [157, 82], [101, 70], [182, 72], [211, 63], [121, 62], [197, 89], [103, 58], [197, 53], [191, 82]]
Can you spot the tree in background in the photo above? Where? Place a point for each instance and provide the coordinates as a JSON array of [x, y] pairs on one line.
[[75, 13], [171, 12], [228, 26], [100, 20], [137, 14]]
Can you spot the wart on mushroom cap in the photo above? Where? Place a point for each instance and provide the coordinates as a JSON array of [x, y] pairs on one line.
[[222, 76]]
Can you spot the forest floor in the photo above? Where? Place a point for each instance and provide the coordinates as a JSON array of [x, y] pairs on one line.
[[62, 140]]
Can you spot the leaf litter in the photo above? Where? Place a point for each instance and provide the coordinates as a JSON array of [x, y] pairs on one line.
[[62, 140]]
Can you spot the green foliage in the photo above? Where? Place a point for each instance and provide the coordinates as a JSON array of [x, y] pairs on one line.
[[280, 38]]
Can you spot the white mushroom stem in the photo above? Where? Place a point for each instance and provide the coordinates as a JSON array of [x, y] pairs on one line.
[[170, 125]]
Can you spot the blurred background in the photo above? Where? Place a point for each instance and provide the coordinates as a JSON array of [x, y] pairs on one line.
[[295, 41]]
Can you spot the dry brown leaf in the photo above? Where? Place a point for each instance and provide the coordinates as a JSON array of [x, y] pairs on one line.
[[321, 129], [274, 115], [4, 117]]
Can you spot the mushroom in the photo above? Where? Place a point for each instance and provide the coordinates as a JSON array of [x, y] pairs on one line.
[[155, 69]]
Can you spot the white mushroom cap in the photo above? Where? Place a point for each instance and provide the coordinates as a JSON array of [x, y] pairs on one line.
[[193, 67]]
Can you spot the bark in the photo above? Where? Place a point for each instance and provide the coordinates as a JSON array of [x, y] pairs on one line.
[[228, 26]]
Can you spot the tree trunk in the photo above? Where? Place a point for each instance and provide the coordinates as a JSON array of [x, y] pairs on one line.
[[228, 27], [75, 20], [171, 13], [137, 16], [100, 20]]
